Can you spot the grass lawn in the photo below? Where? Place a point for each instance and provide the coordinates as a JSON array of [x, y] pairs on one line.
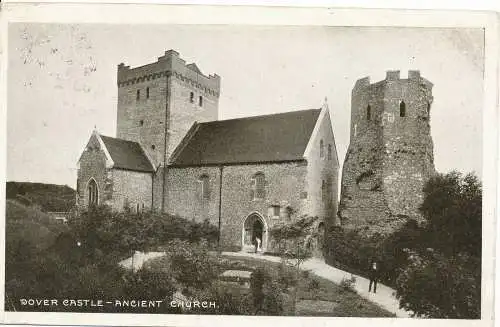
[[316, 296]]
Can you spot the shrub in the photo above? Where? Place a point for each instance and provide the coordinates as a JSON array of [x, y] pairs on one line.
[[257, 281], [266, 293], [123, 232], [287, 277], [313, 285], [347, 284], [81, 261], [227, 302], [353, 252], [190, 264]]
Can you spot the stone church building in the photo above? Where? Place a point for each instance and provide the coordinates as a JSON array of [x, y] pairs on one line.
[[171, 154]]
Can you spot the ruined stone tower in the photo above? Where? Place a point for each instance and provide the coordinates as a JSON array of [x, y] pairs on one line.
[[390, 154], [158, 103]]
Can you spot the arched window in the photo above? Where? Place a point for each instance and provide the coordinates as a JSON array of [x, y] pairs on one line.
[[368, 113], [138, 95], [321, 149], [200, 101], [323, 189], [93, 192], [147, 93], [191, 97], [402, 109], [329, 152], [428, 107], [259, 186], [204, 186]]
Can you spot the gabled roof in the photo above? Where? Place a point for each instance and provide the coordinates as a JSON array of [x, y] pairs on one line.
[[127, 155], [270, 138]]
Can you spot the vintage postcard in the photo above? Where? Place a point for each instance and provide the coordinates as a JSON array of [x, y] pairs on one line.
[[207, 165]]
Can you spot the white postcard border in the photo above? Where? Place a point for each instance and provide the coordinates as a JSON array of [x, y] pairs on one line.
[[158, 14]]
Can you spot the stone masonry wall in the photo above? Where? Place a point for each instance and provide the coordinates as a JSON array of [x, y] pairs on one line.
[[408, 156], [143, 120], [92, 164], [184, 196], [143, 117], [322, 169], [284, 184], [158, 189], [319, 169], [132, 189], [389, 157], [183, 112]]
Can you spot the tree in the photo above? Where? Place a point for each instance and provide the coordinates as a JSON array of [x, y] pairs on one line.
[[437, 286], [442, 278], [452, 208]]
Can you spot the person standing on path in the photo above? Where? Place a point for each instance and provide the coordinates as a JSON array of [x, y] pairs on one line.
[[374, 275]]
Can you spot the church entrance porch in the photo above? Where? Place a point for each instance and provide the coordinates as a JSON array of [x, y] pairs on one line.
[[254, 232]]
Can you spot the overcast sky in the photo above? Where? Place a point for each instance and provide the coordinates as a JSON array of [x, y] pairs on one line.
[[62, 81]]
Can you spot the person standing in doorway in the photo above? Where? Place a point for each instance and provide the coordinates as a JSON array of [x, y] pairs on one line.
[[257, 246], [374, 275]]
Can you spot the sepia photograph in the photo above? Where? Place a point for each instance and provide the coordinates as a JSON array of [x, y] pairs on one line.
[[245, 170]]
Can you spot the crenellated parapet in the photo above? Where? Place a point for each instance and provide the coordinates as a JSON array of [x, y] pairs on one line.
[[169, 65], [392, 76]]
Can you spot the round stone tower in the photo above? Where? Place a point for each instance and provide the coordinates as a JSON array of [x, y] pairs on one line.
[[390, 154]]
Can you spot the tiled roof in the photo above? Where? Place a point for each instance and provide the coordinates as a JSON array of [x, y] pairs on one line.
[[270, 138], [127, 155]]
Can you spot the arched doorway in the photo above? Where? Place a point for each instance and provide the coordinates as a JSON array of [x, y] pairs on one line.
[[254, 226]]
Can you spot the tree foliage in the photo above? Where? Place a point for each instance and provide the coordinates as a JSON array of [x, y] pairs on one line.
[[295, 239], [439, 286], [122, 232], [453, 210], [443, 276], [433, 264], [80, 261]]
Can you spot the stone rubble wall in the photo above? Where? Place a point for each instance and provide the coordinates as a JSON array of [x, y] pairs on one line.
[[389, 158]]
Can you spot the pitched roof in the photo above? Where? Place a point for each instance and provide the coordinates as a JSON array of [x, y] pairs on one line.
[[277, 137], [127, 155]]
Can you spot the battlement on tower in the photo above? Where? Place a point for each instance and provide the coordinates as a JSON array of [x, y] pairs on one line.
[[391, 76], [170, 64]]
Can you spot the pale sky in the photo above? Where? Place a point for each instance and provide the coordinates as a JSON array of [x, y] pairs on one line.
[[62, 81]]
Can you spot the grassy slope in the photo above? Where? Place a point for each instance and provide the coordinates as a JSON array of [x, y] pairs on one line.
[[49, 197], [31, 225]]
